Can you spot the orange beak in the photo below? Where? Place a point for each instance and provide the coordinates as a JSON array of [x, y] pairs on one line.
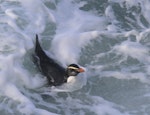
[[81, 70]]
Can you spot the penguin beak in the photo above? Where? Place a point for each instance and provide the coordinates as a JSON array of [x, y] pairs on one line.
[[80, 70]]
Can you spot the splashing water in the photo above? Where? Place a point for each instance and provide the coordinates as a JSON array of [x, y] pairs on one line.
[[110, 38]]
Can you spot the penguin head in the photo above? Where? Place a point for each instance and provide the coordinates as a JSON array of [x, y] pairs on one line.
[[74, 70]]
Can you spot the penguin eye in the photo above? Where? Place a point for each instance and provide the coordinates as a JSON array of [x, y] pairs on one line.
[[72, 70]]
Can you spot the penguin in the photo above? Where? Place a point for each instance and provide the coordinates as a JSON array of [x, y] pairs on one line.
[[55, 73]]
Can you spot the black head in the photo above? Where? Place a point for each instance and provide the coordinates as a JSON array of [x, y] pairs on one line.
[[74, 70]]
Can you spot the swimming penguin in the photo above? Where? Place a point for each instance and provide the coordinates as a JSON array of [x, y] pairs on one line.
[[54, 72]]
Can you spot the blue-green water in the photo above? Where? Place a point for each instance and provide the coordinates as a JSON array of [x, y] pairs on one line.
[[110, 38]]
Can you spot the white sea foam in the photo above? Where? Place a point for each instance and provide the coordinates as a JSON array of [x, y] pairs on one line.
[[24, 91], [134, 50], [69, 45]]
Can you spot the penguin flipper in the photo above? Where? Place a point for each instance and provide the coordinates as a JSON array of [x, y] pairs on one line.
[[38, 49]]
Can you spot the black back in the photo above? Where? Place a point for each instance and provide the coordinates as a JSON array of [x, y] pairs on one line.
[[55, 73]]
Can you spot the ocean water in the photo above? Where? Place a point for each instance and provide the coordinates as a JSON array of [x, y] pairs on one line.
[[109, 38]]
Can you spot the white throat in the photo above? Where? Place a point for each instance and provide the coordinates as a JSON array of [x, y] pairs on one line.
[[71, 79]]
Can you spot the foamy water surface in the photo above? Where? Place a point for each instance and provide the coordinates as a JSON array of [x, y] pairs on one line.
[[110, 39]]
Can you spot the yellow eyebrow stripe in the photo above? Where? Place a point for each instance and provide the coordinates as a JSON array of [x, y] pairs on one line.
[[73, 68]]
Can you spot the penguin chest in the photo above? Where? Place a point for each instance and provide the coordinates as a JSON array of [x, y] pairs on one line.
[[71, 79]]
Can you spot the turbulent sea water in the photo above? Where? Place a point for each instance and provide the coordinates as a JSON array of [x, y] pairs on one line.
[[110, 38]]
